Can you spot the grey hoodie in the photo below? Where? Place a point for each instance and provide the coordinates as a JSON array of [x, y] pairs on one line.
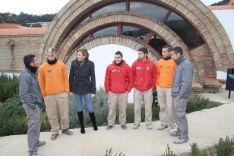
[[29, 89], [183, 78]]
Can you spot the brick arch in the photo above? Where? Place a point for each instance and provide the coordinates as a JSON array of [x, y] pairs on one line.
[[194, 11], [125, 17]]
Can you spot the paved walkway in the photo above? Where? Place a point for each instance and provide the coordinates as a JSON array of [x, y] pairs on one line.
[[205, 128]]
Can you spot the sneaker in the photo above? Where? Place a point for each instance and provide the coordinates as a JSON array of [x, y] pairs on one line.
[[135, 126], [180, 141], [54, 136], [149, 126], [34, 154], [173, 132], [67, 132], [162, 126], [40, 143], [108, 127], [124, 127]]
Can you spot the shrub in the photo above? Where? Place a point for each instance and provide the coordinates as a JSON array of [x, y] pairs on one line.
[[169, 152], [9, 86], [225, 147], [13, 118], [196, 151], [197, 103]]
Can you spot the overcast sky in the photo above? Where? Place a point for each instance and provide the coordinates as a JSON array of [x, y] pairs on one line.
[[39, 7]]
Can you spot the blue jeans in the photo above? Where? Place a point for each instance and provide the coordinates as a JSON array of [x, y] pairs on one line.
[[87, 100]]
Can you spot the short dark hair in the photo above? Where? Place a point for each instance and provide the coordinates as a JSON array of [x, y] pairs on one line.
[[144, 50], [167, 46], [177, 50], [28, 59], [119, 53]]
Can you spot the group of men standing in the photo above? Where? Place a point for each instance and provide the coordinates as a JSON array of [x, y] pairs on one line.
[[172, 77]]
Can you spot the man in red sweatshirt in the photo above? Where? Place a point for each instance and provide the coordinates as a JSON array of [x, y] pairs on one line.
[[143, 76], [118, 83]]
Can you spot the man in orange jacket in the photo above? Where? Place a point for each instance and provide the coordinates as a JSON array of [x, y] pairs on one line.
[[54, 85], [143, 76], [165, 73], [118, 83]]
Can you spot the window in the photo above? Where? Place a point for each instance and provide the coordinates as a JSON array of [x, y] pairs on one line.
[[106, 31], [147, 9], [185, 30], [110, 8], [134, 32]]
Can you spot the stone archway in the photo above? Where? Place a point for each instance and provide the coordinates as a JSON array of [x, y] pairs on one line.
[[220, 49], [162, 30]]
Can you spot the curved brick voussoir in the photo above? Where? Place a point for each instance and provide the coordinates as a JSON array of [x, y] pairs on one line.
[[124, 17]]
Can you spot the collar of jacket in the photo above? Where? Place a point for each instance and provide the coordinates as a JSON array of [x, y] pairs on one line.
[[121, 63], [78, 62], [31, 73], [180, 59], [147, 60]]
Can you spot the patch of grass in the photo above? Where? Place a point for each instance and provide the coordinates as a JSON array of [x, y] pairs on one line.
[[197, 103], [169, 152], [109, 152], [196, 151], [225, 147]]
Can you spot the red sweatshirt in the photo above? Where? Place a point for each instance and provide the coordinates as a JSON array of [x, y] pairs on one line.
[[118, 78], [143, 74]]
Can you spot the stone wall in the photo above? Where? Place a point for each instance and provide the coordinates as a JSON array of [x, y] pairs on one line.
[[11, 57]]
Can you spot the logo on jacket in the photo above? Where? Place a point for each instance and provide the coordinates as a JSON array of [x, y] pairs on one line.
[[138, 68]]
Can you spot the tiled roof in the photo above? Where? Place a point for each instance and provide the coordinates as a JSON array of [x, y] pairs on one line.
[[17, 29], [10, 26]]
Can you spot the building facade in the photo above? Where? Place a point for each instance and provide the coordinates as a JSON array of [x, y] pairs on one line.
[[135, 23]]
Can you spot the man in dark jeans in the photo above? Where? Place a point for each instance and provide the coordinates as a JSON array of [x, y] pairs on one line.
[[31, 98], [181, 89]]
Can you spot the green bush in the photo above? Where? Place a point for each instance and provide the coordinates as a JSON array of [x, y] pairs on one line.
[[13, 118], [225, 147], [197, 103], [9, 86], [169, 152], [196, 151]]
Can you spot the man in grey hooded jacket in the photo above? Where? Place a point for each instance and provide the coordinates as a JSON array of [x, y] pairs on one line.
[[181, 89], [31, 98]]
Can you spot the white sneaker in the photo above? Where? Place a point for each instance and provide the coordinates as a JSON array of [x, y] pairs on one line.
[[162, 126], [173, 132], [135, 126], [149, 126], [180, 141], [35, 154]]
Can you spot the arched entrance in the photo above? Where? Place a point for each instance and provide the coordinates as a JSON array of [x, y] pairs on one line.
[[188, 24]]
